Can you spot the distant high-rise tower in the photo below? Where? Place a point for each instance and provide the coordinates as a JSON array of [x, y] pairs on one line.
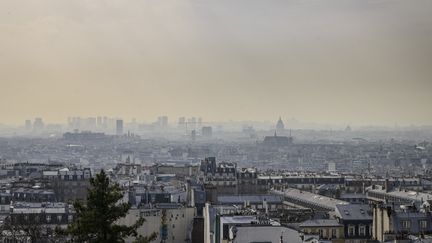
[[199, 122], [206, 131], [162, 121], [99, 121], [191, 123], [181, 121], [105, 122], [38, 124], [193, 135], [280, 127], [119, 127], [28, 125]]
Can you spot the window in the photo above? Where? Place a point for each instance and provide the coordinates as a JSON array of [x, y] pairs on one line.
[[406, 224], [351, 230], [362, 230], [423, 224], [333, 233]]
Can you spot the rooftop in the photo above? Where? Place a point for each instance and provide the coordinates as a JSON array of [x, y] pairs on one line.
[[249, 198], [311, 198], [238, 219], [405, 194], [354, 212], [320, 223]]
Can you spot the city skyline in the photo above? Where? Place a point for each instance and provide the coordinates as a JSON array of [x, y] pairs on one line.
[[175, 121], [216, 121]]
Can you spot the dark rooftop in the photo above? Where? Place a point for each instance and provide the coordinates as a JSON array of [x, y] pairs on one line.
[[320, 223], [354, 212]]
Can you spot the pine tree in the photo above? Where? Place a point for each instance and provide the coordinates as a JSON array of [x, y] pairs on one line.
[[96, 220]]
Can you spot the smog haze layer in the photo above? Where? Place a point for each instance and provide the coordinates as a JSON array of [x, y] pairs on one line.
[[336, 61]]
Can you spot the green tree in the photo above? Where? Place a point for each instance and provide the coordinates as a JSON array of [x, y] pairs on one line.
[[96, 220]]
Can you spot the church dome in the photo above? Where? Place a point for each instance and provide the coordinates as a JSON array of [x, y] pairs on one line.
[[280, 125]]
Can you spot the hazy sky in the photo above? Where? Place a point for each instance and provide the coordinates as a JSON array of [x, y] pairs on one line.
[[333, 61]]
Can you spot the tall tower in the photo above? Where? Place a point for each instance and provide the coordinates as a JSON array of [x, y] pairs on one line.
[[38, 124], [28, 125], [119, 127]]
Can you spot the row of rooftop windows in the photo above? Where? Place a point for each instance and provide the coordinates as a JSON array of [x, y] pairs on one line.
[[48, 218]]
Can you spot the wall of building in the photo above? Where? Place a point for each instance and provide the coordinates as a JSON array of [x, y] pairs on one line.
[[325, 232], [178, 221]]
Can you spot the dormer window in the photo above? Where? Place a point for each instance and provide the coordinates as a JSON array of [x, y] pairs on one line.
[[406, 224], [423, 224], [362, 230]]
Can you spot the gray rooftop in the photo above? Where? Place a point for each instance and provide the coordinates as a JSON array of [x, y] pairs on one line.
[[405, 194], [354, 212], [309, 197], [39, 210], [274, 199], [353, 195], [320, 223], [239, 219]]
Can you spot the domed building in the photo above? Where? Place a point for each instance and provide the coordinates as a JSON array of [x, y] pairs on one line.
[[280, 127]]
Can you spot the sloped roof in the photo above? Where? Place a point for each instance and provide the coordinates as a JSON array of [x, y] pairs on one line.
[[354, 212]]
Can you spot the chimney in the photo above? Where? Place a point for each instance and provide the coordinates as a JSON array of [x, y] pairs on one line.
[[265, 206], [188, 194], [192, 201], [387, 185]]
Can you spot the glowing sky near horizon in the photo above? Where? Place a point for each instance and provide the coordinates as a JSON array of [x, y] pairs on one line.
[[337, 61]]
